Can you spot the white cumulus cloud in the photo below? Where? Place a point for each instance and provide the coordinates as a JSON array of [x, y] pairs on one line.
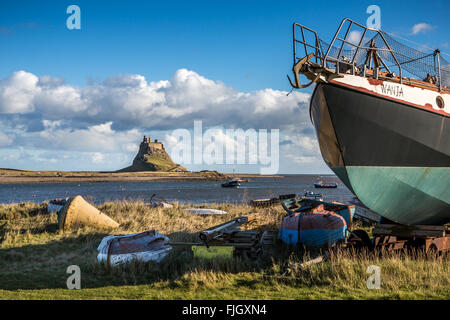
[[17, 92], [110, 116], [131, 101], [421, 28]]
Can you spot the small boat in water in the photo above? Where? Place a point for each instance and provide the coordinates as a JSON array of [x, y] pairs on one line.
[[233, 183], [320, 184], [312, 195]]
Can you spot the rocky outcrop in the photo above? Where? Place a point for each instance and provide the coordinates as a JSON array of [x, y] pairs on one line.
[[152, 157]]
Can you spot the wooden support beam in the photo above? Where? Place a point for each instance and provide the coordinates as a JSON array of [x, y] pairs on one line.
[[409, 231]]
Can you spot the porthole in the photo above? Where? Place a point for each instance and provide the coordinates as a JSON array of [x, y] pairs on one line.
[[440, 102]]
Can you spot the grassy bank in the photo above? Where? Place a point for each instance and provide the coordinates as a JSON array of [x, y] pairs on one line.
[[29, 176], [34, 257]]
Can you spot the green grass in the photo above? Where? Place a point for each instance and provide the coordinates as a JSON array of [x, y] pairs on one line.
[[212, 252], [160, 164], [34, 256]]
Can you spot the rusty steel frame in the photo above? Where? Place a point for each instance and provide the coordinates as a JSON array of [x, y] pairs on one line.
[[401, 237]]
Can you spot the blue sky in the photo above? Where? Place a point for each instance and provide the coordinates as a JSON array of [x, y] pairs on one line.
[[244, 45]]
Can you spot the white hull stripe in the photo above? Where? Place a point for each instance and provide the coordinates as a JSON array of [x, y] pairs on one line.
[[413, 96]]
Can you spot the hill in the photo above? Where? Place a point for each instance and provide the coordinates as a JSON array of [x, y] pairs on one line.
[[153, 157]]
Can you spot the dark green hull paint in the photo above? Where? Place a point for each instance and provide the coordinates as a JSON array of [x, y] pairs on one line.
[[404, 195], [398, 169]]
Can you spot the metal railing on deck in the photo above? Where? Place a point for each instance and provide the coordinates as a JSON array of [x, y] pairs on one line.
[[343, 51]]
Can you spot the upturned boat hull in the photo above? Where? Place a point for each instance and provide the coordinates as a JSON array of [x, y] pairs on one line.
[[392, 154]]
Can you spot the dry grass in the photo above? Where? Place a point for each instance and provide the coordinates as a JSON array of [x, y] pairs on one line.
[[34, 256]]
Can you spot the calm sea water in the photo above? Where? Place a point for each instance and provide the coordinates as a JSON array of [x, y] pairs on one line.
[[182, 191]]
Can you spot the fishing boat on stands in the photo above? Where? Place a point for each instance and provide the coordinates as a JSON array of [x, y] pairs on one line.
[[381, 114]]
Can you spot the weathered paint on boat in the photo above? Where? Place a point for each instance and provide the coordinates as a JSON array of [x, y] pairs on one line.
[[303, 204], [312, 229], [394, 155], [345, 211], [145, 246], [416, 193]]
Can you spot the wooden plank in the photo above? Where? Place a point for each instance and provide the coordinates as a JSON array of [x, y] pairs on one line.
[[416, 227], [407, 234], [409, 231]]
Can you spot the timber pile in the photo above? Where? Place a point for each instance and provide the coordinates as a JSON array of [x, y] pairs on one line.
[[410, 231], [248, 243], [245, 243], [268, 238]]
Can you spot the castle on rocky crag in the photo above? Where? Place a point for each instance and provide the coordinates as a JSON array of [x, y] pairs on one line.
[[153, 157], [154, 144], [151, 149]]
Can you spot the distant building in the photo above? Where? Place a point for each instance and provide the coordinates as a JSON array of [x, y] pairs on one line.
[[153, 157], [148, 144]]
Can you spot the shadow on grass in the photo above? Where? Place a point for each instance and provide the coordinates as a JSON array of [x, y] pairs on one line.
[[44, 266], [22, 210]]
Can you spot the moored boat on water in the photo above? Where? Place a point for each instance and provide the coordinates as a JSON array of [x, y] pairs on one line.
[[312, 195], [385, 135], [320, 184], [233, 183]]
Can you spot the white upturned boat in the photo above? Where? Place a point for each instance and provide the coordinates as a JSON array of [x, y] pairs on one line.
[[146, 246]]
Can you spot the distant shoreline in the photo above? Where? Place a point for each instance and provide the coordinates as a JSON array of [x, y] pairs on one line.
[[13, 176]]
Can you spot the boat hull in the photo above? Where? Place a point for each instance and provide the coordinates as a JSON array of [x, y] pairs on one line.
[[393, 156], [324, 186], [312, 230]]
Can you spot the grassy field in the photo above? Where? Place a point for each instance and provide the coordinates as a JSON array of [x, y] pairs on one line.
[[34, 256]]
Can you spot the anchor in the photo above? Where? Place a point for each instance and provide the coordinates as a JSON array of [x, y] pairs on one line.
[[296, 70]]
